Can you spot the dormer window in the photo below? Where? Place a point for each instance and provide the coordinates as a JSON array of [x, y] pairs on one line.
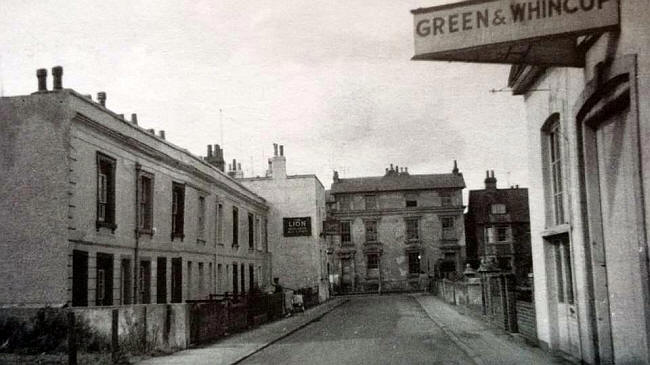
[[498, 209]]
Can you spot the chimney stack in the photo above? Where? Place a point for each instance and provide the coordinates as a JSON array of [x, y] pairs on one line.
[[161, 134], [490, 181], [134, 119], [41, 74], [209, 150], [101, 98], [336, 176], [455, 169], [278, 163], [57, 74]]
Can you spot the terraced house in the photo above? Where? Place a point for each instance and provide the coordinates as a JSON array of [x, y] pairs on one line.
[[396, 228], [96, 210]]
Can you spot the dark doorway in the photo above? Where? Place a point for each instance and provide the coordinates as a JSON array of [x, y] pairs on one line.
[[235, 277], [177, 280], [161, 280], [243, 280], [251, 276], [79, 278], [145, 282], [104, 287], [125, 272]]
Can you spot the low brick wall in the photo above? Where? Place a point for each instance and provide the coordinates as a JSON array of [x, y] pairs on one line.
[[496, 299], [161, 326]]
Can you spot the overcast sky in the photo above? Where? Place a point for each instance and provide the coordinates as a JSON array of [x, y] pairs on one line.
[[330, 80]]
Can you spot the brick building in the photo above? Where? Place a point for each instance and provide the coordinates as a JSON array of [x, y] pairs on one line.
[[497, 227], [395, 227], [96, 210], [297, 210]]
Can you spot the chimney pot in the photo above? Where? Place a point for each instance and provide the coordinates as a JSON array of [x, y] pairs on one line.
[[152, 131], [57, 74], [238, 166], [275, 149], [492, 173], [209, 150], [234, 164], [391, 167], [161, 134], [134, 118], [281, 150], [487, 173], [41, 74], [121, 116], [101, 98], [406, 169]]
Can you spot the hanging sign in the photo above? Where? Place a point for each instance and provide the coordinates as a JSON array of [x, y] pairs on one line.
[[331, 227], [510, 31]]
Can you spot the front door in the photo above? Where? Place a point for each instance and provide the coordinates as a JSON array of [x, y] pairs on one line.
[[617, 226], [177, 280], [79, 278], [346, 275], [568, 335]]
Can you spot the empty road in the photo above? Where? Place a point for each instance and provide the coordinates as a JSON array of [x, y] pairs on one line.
[[391, 329]]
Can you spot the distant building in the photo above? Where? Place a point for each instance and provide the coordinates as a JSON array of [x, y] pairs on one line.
[[96, 210], [395, 227], [497, 227], [295, 224]]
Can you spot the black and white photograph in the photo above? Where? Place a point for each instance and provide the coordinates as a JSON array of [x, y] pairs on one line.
[[325, 182]]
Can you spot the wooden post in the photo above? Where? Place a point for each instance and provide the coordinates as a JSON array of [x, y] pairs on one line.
[[72, 340], [115, 345]]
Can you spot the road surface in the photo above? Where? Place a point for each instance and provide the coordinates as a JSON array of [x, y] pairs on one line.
[[391, 329]]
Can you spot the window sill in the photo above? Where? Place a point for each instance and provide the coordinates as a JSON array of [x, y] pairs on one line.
[[413, 242], [200, 241], [178, 235], [143, 231], [556, 229], [111, 226]]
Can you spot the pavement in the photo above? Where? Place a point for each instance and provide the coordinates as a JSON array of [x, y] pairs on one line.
[[389, 329], [484, 343], [235, 348]]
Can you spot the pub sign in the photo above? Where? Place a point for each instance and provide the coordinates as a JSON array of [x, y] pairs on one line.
[[331, 227], [297, 226]]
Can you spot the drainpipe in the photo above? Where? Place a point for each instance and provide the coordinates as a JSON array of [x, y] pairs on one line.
[[136, 264]]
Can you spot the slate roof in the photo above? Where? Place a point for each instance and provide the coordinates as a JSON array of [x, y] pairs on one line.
[[398, 182], [516, 201]]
